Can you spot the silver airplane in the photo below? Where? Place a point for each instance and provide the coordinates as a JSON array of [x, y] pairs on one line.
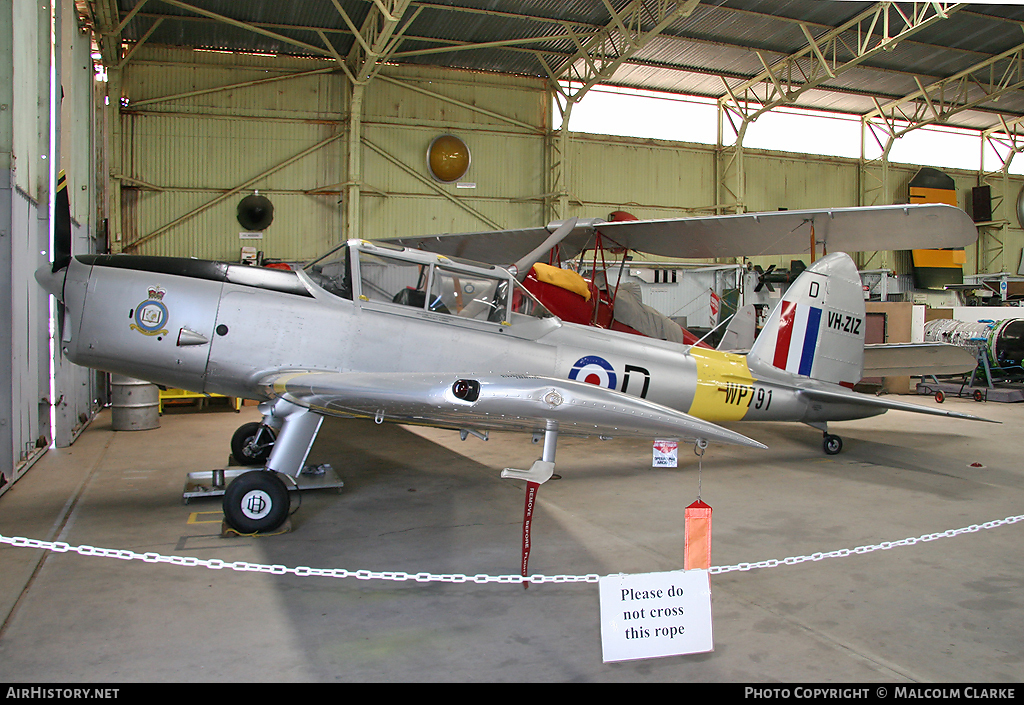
[[378, 330]]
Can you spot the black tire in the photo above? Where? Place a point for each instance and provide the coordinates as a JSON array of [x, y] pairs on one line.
[[940, 396], [246, 454], [256, 501], [832, 444], [978, 395]]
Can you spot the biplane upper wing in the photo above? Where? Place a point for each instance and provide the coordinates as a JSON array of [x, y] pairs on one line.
[[860, 229]]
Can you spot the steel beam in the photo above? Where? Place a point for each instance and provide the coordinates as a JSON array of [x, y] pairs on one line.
[[1004, 141], [597, 57], [877, 29], [933, 104]]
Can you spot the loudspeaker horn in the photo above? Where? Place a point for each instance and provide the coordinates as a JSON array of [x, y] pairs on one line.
[[255, 212]]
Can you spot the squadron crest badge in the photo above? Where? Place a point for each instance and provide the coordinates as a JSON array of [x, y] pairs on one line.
[[151, 314]]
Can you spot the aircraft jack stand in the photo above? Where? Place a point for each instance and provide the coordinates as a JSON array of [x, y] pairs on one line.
[[539, 473]]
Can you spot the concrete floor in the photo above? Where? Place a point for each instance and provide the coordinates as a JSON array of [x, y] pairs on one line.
[[948, 610]]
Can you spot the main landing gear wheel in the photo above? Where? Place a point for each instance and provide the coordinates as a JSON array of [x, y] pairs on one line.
[[256, 501], [832, 444], [251, 443]]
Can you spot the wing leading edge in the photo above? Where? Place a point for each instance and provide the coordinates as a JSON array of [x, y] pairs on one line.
[[492, 402]]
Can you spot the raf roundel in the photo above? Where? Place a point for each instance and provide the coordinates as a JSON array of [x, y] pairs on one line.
[[594, 370]]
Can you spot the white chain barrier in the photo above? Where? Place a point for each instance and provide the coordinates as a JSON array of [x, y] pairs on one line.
[[243, 566]]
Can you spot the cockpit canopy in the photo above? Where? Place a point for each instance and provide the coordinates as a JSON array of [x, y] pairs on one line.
[[379, 273]]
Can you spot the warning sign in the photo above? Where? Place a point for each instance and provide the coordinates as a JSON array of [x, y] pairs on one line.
[[666, 452], [655, 614]]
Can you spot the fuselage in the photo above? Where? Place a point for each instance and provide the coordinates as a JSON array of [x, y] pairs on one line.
[[219, 328]]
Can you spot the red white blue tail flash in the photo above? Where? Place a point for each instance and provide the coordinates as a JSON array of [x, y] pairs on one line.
[[797, 338]]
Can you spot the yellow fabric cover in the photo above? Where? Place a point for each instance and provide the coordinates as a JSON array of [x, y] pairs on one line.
[[564, 278]]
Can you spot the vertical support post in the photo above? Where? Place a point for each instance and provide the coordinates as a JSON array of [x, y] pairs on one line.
[[556, 197], [1004, 142], [355, 161], [874, 175], [562, 192], [112, 110], [730, 191]]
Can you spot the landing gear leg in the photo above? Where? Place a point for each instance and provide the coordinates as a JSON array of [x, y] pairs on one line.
[[258, 500], [831, 444]]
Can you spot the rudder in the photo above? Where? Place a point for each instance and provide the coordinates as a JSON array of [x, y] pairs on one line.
[[817, 330]]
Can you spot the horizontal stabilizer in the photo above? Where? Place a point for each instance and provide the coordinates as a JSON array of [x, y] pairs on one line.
[[840, 395], [506, 402], [903, 359]]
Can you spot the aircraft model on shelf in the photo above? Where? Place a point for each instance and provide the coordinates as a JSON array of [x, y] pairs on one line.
[[386, 332]]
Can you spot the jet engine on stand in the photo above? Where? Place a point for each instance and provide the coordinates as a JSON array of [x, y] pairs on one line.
[[999, 349]]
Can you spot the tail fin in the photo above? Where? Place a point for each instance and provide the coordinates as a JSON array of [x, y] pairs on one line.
[[739, 334], [817, 330]]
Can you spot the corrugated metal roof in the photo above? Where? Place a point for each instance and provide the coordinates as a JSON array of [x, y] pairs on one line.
[[720, 38]]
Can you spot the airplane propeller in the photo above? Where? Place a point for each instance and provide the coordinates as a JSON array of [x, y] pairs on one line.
[[762, 278], [61, 225], [52, 278]]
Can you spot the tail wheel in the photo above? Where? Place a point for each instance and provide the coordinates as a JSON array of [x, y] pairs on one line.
[[251, 443], [940, 396], [832, 444], [256, 501]]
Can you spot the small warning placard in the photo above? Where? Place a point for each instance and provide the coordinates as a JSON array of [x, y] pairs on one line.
[[666, 452]]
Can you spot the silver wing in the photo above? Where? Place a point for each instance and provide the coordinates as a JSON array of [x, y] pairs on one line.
[[861, 229], [491, 402]]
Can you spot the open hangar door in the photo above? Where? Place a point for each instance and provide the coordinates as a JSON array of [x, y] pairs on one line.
[[45, 104], [24, 240], [78, 391]]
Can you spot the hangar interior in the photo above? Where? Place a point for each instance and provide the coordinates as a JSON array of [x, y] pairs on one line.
[[165, 115]]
